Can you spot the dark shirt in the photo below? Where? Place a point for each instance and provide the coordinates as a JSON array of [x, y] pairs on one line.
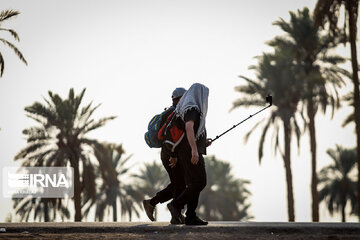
[[194, 115]]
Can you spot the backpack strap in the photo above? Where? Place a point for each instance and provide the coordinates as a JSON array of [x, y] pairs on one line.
[[175, 144], [173, 133]]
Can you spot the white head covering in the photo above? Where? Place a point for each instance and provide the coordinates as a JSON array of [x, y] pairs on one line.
[[194, 98]]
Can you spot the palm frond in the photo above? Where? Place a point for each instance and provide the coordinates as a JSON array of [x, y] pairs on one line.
[[36, 134], [2, 65], [262, 138], [297, 131], [247, 135], [83, 119], [257, 86], [39, 109], [349, 119], [243, 102], [7, 14], [75, 101], [283, 25], [326, 11], [29, 149], [15, 49], [333, 59], [275, 137], [98, 124], [12, 32], [281, 42]]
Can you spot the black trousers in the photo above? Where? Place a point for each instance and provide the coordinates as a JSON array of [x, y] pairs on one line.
[[177, 180], [195, 176]]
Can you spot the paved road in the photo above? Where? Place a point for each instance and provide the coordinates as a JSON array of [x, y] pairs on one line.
[[161, 230]]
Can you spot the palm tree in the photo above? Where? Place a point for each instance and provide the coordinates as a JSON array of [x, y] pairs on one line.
[[328, 11], [60, 140], [151, 179], [275, 75], [5, 15], [224, 198], [319, 72], [114, 188], [337, 188], [40, 208]]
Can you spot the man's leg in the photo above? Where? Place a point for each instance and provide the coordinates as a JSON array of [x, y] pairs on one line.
[[161, 196], [196, 176], [197, 186], [178, 180], [175, 188], [167, 193]]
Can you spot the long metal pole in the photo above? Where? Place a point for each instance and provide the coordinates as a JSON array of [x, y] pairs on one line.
[[217, 137]]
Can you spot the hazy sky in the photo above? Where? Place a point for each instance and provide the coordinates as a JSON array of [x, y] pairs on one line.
[[130, 55]]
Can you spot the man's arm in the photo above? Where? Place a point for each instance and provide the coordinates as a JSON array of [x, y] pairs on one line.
[[189, 128]]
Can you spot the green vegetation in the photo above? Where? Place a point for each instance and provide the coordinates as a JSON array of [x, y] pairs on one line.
[[319, 72], [275, 75], [303, 76], [4, 16], [60, 140], [328, 11], [225, 198], [336, 186], [114, 190]]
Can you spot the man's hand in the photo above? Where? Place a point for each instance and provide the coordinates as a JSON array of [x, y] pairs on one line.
[[194, 157], [208, 142], [172, 161]]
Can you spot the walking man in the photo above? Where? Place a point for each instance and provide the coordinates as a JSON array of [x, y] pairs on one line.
[[176, 173], [192, 110]]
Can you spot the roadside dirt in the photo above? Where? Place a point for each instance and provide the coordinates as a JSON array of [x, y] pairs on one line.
[[173, 236]]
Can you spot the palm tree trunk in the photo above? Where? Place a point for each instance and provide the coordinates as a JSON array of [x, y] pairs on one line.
[[77, 190], [114, 207], [352, 8], [287, 163], [343, 216], [46, 210], [314, 181]]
